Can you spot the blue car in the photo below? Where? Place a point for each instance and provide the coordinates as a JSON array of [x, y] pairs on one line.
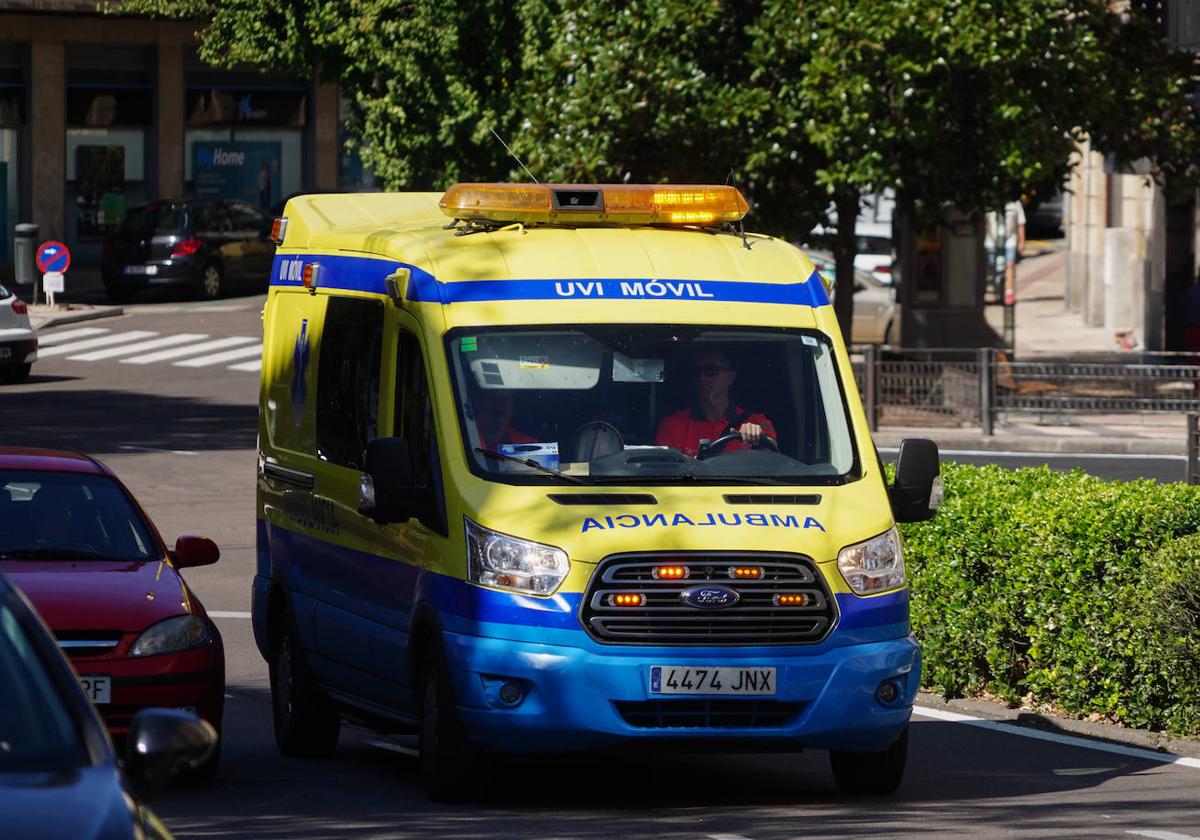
[[59, 774]]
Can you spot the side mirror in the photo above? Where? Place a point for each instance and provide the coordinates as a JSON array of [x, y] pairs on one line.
[[917, 493], [195, 551], [386, 492], [161, 744]]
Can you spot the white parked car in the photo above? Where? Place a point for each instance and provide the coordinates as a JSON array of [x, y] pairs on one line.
[[18, 344], [876, 314]]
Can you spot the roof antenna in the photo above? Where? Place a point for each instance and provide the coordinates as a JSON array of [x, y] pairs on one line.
[[740, 227], [514, 154]]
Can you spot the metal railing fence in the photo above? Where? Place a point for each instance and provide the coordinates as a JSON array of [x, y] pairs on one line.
[[954, 388]]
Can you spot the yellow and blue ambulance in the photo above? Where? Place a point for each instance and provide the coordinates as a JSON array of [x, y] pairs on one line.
[[573, 467]]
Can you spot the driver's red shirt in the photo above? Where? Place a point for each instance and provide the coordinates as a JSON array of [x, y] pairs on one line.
[[509, 435], [684, 429]]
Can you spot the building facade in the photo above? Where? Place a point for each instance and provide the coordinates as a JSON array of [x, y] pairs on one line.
[[1132, 253], [99, 112]]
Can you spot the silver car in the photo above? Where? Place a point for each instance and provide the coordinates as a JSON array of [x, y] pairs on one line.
[[18, 343], [876, 314]]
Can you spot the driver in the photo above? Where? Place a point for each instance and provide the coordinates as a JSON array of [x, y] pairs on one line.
[[713, 414], [493, 419]]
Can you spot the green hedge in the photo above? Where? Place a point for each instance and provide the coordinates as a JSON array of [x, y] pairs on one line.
[[1072, 590]]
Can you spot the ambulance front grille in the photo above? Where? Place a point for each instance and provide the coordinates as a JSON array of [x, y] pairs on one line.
[[665, 618], [708, 714]]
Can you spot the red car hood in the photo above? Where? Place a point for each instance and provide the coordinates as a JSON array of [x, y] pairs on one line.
[[101, 594]]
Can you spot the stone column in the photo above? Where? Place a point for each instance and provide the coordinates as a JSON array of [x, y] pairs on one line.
[[48, 130], [170, 94], [325, 136]]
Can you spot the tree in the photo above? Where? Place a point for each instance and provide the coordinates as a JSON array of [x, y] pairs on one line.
[[960, 104]]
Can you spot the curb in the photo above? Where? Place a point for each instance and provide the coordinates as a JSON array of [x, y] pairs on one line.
[[74, 316], [1113, 733], [1008, 442]]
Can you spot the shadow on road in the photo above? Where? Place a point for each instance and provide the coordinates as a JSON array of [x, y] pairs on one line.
[[99, 421], [961, 781]]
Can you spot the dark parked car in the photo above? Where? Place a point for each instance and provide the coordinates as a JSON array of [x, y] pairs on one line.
[[208, 246], [59, 774]]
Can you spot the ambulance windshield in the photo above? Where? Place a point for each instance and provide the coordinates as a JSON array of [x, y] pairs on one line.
[[615, 404]]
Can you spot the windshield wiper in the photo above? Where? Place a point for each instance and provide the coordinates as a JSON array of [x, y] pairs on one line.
[[51, 553], [529, 462]]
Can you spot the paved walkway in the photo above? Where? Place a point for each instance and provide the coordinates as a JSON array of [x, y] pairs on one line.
[[1043, 325]]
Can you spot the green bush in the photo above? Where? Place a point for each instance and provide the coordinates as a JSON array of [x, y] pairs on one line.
[[1079, 592]]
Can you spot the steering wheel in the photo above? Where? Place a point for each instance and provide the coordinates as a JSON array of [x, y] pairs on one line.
[[595, 439], [717, 446]]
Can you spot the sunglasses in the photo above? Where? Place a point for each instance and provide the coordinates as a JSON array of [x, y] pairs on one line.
[[708, 370]]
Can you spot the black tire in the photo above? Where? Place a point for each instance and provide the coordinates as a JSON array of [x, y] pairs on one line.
[[13, 374], [212, 282], [306, 723], [871, 773], [448, 762]]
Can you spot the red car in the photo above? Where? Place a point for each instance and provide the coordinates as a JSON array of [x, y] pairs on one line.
[[74, 539]]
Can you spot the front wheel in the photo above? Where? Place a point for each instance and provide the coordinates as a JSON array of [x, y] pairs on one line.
[[448, 761], [871, 773], [306, 724]]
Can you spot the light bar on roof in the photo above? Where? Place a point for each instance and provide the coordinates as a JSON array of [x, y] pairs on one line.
[[637, 204]]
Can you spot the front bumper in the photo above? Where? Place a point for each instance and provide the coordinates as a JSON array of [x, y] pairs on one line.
[[572, 694], [193, 679]]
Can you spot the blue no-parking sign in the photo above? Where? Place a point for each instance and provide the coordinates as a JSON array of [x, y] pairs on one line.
[[53, 256]]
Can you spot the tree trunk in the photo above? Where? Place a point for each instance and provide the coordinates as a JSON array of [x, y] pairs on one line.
[[845, 249]]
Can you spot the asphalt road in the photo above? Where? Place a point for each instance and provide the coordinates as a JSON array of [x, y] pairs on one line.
[[182, 436]]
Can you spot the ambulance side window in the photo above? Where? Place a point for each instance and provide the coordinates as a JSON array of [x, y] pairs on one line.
[[348, 380], [414, 412]]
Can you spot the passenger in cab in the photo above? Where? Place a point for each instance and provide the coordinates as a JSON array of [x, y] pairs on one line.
[[714, 413], [493, 419]]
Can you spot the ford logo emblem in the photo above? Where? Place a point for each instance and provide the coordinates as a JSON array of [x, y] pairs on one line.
[[710, 597]]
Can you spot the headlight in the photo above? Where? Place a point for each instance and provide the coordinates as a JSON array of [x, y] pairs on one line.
[[171, 636], [875, 565], [509, 563]]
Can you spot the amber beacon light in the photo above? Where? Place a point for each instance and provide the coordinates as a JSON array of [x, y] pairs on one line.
[[646, 204]]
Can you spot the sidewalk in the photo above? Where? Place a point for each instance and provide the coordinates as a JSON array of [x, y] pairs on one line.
[[84, 300], [1043, 325]]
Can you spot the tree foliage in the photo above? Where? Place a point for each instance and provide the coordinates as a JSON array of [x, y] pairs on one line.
[[953, 103]]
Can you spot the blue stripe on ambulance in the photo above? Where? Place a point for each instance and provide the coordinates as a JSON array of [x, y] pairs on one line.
[[375, 597], [367, 274]]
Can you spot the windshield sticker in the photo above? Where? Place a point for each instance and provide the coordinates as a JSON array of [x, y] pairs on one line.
[[535, 362], [469, 344], [809, 340], [678, 520]]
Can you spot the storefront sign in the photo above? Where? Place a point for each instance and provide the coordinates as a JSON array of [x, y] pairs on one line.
[[229, 106], [243, 170]]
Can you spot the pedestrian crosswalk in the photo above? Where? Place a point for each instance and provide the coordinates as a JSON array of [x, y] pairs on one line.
[[145, 347]]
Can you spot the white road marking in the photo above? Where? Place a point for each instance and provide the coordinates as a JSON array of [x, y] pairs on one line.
[[1103, 456], [192, 350], [89, 343], [217, 358], [138, 347], [251, 367], [727, 837], [1056, 738], [227, 614], [132, 448], [1164, 835], [59, 338]]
